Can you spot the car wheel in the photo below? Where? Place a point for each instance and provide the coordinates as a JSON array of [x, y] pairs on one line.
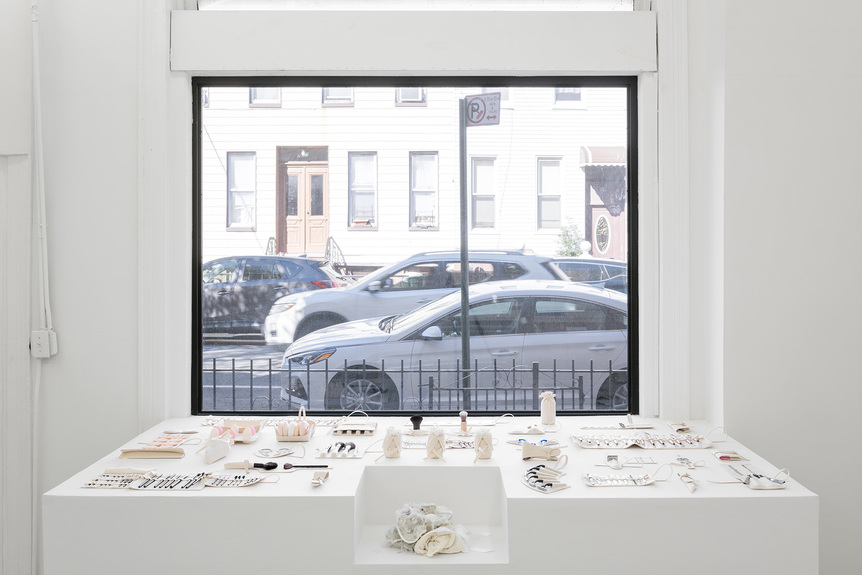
[[315, 323], [365, 391], [613, 395]]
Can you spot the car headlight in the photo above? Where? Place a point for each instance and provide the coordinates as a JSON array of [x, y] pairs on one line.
[[310, 358], [280, 307]]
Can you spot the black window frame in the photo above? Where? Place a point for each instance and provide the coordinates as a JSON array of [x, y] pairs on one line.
[[630, 83]]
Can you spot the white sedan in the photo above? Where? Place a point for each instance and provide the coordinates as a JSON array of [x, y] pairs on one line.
[[387, 363]]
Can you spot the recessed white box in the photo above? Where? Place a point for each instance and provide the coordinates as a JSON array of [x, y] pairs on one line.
[[474, 494]]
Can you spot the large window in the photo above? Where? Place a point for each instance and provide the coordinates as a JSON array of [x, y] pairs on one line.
[[352, 216]]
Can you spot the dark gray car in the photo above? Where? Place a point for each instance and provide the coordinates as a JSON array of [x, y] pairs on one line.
[[237, 292]]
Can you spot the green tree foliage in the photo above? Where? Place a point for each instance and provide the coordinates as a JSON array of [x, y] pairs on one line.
[[569, 241]]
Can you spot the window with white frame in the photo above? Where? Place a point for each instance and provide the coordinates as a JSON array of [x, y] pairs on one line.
[[378, 168], [424, 180], [410, 96], [264, 97], [241, 187], [484, 190], [337, 96], [362, 189], [550, 191]]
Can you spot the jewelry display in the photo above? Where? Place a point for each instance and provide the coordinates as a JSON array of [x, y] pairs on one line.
[[594, 480], [729, 456], [755, 480], [629, 424], [548, 408], [426, 529], [174, 481], [541, 451], [338, 450], [611, 480], [319, 478], [166, 446], [483, 444], [234, 480], [299, 428], [614, 462], [689, 482], [546, 478], [529, 430], [687, 463], [242, 423], [118, 478], [436, 444], [268, 453], [346, 426], [645, 441], [679, 426], [518, 442]]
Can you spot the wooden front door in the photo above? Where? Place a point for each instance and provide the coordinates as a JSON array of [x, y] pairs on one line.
[[303, 209]]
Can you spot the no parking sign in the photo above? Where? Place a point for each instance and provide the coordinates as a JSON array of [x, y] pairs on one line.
[[483, 109]]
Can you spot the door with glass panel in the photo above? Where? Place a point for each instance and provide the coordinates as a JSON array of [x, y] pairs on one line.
[[303, 206]]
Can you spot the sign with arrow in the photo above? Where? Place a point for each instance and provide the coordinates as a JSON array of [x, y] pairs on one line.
[[483, 109]]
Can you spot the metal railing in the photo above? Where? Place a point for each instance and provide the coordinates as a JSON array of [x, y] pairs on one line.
[[255, 385]]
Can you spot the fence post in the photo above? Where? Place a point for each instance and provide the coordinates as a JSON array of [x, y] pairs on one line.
[[535, 385], [430, 393]]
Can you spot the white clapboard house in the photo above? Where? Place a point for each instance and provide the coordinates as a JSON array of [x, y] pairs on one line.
[[374, 172]]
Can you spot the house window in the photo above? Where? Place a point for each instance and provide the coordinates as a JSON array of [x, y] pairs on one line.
[[550, 189], [240, 190], [337, 96], [362, 189], [567, 95], [423, 189], [484, 188], [410, 96], [264, 97]]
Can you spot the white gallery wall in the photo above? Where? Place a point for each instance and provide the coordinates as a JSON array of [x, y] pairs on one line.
[[779, 143], [792, 263]]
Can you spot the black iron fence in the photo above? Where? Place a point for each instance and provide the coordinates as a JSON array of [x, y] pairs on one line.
[[240, 385]]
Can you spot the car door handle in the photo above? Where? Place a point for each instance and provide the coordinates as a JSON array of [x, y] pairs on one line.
[[223, 292], [424, 301], [504, 352], [602, 347]]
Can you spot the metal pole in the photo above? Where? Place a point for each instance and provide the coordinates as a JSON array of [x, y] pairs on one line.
[[465, 261]]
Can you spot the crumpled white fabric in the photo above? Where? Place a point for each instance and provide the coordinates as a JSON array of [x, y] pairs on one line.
[[440, 540]]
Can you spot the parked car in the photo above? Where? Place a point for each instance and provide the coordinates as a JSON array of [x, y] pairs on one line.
[[238, 292], [599, 272], [374, 363], [397, 289]]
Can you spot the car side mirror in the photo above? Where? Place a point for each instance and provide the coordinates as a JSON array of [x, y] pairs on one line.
[[433, 333], [374, 287]]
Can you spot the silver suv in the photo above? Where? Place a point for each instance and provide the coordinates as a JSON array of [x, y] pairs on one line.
[[398, 289]]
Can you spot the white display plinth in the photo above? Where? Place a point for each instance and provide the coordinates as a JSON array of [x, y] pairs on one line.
[[338, 527]]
